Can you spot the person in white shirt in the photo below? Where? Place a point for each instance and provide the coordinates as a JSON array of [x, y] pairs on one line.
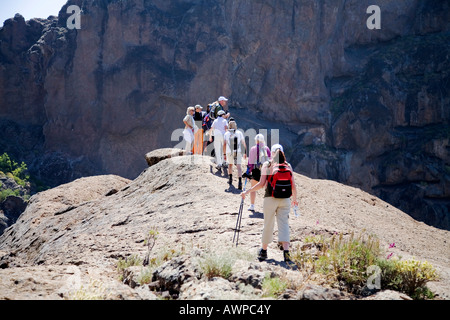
[[219, 128], [234, 143], [189, 129]]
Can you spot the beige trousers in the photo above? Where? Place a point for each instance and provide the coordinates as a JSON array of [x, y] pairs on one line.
[[279, 209]]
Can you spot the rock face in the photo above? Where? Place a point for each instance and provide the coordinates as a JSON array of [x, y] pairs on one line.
[[76, 234], [368, 108], [12, 206], [10, 210]]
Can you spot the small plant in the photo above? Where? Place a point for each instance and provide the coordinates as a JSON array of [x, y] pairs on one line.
[[94, 291], [150, 242], [130, 261], [273, 287], [165, 255], [221, 264], [408, 276], [145, 276], [213, 265]]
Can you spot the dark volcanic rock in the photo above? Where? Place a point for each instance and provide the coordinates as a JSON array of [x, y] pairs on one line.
[[10, 210]]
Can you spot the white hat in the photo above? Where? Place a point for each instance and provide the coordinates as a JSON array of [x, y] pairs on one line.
[[223, 98], [260, 138], [220, 113], [275, 147], [198, 107]]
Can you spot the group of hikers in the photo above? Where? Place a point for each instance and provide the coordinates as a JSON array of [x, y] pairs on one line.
[[267, 167]]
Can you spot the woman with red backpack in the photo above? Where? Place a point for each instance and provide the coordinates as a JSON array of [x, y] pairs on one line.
[[278, 179]]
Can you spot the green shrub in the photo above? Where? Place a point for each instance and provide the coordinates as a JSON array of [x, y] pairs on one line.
[[8, 192], [273, 287], [348, 259], [17, 170], [408, 276], [13, 170]]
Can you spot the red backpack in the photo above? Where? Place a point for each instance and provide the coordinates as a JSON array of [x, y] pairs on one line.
[[280, 181]]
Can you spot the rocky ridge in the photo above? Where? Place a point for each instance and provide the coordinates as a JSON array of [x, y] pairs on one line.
[[74, 236], [368, 108]]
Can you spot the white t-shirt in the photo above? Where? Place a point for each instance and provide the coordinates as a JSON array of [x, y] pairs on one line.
[[230, 141], [220, 125]]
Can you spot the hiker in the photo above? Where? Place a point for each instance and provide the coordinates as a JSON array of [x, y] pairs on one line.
[[189, 129], [206, 126], [218, 129], [198, 136], [234, 139], [259, 154], [217, 106], [278, 179]]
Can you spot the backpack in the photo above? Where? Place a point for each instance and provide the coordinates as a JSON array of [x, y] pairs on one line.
[[206, 123], [214, 108], [233, 143], [280, 181]]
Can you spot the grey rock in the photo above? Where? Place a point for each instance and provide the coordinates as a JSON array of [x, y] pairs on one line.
[[316, 292]]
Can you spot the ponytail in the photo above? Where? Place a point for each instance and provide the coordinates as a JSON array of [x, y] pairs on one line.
[[279, 157]]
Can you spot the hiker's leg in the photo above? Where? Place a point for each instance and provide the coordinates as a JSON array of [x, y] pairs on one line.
[[239, 165], [188, 147], [230, 173], [269, 210], [284, 207], [218, 142], [224, 151], [253, 194], [230, 163]]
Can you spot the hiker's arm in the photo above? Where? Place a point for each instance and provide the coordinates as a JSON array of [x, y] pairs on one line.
[[188, 125], [224, 150], [294, 189], [211, 132], [256, 187]]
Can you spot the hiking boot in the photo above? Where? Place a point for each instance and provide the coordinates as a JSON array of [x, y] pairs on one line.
[[230, 181], [219, 167], [240, 184], [280, 246], [287, 256], [262, 254]]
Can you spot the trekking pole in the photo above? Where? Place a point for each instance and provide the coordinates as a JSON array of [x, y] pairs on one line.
[[239, 218]]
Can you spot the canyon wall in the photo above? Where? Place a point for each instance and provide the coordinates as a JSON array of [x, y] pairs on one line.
[[369, 108]]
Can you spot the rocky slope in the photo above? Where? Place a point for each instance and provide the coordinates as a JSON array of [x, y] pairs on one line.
[[75, 235], [368, 108]]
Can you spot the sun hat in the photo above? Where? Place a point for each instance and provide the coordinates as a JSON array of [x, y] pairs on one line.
[[260, 138], [275, 147], [222, 98]]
